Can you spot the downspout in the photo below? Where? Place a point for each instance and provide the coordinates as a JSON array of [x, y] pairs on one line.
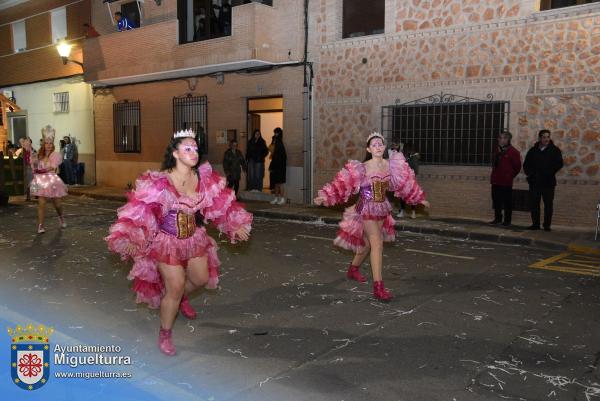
[[307, 115]]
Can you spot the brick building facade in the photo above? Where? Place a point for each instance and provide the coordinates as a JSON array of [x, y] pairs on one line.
[[543, 65], [258, 59]]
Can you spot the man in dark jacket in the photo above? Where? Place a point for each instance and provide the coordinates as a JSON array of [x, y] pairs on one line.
[[506, 165], [541, 165], [233, 163]]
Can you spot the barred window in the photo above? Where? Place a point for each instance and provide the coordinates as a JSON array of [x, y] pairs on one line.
[[190, 112], [61, 102], [127, 127], [448, 129]]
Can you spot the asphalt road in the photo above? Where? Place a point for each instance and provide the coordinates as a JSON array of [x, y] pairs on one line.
[[470, 320]]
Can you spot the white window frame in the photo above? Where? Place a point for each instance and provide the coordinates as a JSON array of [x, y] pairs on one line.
[[58, 21], [19, 36]]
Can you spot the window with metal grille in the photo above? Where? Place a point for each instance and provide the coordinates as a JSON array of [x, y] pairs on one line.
[[127, 127], [190, 112], [61, 102], [552, 4], [448, 129], [361, 18]]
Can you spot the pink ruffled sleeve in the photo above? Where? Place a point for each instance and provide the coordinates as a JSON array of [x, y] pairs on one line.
[[403, 181], [54, 160], [137, 220], [345, 184], [219, 204]]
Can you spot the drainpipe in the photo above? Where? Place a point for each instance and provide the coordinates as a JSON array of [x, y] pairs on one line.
[[307, 115]]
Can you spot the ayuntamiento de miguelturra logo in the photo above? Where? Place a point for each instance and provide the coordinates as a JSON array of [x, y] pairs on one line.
[[30, 355]]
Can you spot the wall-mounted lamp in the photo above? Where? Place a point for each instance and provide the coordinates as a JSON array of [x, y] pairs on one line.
[[64, 50]]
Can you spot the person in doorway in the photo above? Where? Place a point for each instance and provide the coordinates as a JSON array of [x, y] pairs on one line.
[[256, 153], [368, 223], [412, 158], [233, 164], [542, 162], [506, 164], [278, 166], [161, 228], [46, 184], [123, 24]]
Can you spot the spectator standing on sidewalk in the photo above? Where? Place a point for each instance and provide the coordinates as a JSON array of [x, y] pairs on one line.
[[506, 164], [542, 163], [278, 166], [255, 155], [68, 161], [233, 164], [412, 158]]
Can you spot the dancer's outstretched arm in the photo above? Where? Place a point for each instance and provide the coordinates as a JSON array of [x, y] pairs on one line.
[[403, 181], [345, 184], [221, 207], [137, 221]]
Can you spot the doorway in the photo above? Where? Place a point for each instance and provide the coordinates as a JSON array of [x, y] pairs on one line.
[[17, 126], [265, 114]]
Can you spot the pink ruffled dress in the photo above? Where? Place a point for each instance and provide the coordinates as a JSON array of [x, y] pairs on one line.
[[372, 203], [46, 183], [151, 221]]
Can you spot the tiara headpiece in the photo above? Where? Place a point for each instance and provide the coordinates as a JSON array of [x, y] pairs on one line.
[[186, 133], [48, 134], [375, 134]]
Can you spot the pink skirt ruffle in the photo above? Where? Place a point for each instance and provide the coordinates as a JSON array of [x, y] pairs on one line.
[[48, 185], [170, 250], [375, 210], [165, 248], [350, 235]]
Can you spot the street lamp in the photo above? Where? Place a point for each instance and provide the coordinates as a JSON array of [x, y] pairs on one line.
[[64, 50]]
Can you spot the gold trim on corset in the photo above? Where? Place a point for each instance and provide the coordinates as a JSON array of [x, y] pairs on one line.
[[379, 190], [186, 225]]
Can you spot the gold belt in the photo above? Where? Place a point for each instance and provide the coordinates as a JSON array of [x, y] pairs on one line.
[[186, 225], [379, 190]]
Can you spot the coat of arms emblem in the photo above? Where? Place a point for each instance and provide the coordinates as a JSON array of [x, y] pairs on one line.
[[30, 356]]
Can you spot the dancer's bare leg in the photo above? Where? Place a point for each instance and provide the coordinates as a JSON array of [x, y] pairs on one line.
[[373, 229], [174, 280]]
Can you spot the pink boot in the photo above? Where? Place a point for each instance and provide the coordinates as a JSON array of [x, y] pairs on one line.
[[186, 309], [353, 273], [165, 342], [61, 222], [380, 293]]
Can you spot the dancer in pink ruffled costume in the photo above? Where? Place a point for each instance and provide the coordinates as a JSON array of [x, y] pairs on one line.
[[368, 223], [46, 184], [161, 230]]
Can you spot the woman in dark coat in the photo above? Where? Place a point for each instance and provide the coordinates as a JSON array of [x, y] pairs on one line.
[[277, 168]]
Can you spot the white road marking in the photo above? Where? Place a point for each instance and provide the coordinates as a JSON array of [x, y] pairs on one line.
[[440, 254]]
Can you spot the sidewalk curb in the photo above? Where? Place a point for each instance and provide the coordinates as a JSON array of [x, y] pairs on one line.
[[400, 226], [579, 248], [443, 232]]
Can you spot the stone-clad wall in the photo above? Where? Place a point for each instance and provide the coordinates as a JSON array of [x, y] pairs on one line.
[[546, 64], [426, 14]]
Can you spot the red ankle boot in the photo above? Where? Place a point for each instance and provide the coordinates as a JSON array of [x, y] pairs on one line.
[[165, 341], [380, 293], [186, 309], [353, 273]]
